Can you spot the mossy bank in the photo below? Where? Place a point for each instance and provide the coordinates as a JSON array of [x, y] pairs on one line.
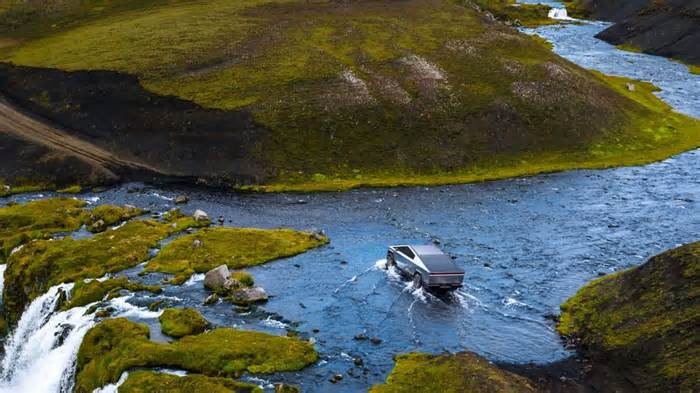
[[643, 322], [295, 95], [451, 373], [117, 345]]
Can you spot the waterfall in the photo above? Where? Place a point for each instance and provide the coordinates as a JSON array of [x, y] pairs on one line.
[[559, 14], [40, 353], [2, 279]]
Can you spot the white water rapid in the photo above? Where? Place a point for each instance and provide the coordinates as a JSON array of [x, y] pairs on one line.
[[559, 14], [40, 352]]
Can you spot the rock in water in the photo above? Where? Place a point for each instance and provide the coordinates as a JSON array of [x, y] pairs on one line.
[[98, 226], [285, 388], [216, 278], [248, 295], [200, 215], [181, 199]]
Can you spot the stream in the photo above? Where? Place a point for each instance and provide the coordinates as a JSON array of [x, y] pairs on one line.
[[588, 223]]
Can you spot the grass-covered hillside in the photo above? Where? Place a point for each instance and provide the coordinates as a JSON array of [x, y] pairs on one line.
[[324, 94], [644, 322]]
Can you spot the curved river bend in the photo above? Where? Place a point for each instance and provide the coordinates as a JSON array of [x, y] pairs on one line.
[[526, 245]]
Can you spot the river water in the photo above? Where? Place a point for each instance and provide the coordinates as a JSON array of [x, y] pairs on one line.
[[526, 244]]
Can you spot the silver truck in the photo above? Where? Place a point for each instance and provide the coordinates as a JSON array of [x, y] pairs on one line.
[[427, 265]]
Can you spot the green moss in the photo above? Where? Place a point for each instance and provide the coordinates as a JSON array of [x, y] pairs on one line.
[[153, 382], [455, 373], [246, 279], [85, 293], [22, 187], [42, 264], [629, 48], [74, 189], [116, 345], [235, 247], [39, 219], [528, 15], [578, 9], [110, 215], [644, 321], [180, 322]]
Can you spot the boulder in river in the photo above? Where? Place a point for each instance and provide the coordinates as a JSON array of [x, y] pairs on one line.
[[286, 388], [181, 199], [200, 215], [98, 226], [216, 278], [248, 295]]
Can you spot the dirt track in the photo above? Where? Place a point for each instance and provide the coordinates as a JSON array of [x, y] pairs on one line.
[[20, 125]]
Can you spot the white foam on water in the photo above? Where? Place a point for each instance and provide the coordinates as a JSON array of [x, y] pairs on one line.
[[177, 373], [40, 353], [126, 309], [262, 383], [2, 279], [14, 250], [195, 278], [509, 301], [114, 228], [157, 195], [113, 387], [273, 323], [559, 14], [92, 199]]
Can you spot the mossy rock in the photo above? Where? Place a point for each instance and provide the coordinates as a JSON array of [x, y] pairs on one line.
[[643, 322], [95, 290], [450, 373], [235, 247], [180, 322], [42, 264], [117, 345], [74, 189], [246, 279], [154, 382]]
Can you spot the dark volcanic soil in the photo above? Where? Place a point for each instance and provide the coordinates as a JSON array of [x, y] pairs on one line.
[[113, 112], [668, 28]]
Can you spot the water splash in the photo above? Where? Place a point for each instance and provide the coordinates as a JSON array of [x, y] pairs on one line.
[[113, 387], [44, 343], [559, 14], [195, 278]]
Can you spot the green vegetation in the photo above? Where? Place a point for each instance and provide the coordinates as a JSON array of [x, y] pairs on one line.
[[235, 247], [519, 14], [629, 48], [180, 322], [454, 373], [116, 345], [42, 264], [8, 189], [85, 293], [105, 215], [20, 223], [153, 382], [370, 93], [577, 9], [246, 279], [74, 189], [644, 321]]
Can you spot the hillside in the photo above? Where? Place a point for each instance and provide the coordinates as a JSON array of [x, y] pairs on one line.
[[325, 95], [669, 28], [643, 322]]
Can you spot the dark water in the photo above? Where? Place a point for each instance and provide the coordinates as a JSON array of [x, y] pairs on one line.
[[526, 246]]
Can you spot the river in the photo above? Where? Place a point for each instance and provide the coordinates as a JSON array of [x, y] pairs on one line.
[[526, 244]]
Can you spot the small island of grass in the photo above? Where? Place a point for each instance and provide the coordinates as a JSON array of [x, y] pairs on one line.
[[180, 322], [117, 345], [153, 382], [235, 247]]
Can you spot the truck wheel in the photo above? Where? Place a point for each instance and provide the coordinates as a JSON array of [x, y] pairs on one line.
[[417, 281], [390, 262]]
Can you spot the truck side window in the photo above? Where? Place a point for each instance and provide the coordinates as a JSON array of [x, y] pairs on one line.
[[406, 251]]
